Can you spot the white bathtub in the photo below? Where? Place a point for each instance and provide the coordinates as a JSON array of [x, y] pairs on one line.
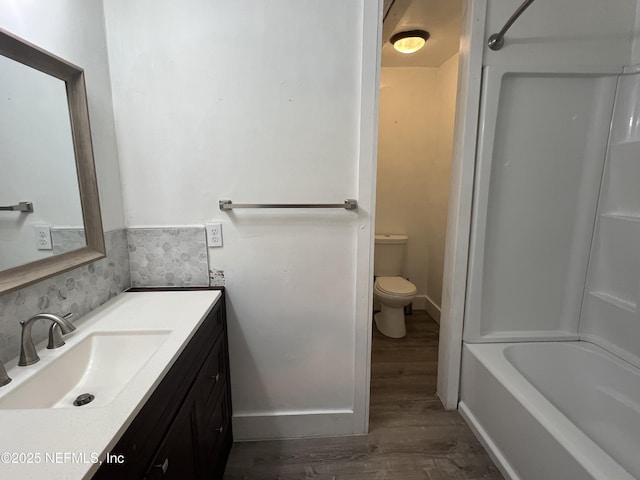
[[553, 410]]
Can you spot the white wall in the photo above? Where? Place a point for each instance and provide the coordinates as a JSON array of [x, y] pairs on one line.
[[407, 155], [460, 201], [417, 110], [440, 177], [38, 162], [74, 30], [261, 102]]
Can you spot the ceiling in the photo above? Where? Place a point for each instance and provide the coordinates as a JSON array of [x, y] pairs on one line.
[[441, 18]]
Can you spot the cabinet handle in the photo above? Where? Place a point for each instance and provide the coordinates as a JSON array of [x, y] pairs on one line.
[[220, 429], [215, 377], [164, 467]]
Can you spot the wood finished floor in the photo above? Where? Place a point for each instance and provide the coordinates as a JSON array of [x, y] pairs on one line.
[[410, 436]]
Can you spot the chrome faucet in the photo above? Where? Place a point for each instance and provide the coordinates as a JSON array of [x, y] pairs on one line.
[[28, 354], [4, 378]]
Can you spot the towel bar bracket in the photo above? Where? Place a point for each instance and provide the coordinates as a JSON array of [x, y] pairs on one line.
[[21, 207]]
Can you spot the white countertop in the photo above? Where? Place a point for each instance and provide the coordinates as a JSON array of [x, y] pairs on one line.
[[67, 441]]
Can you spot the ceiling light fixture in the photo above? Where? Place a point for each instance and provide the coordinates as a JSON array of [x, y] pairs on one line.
[[409, 42]]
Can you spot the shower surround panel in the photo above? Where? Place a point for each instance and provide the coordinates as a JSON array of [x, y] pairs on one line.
[[555, 258]]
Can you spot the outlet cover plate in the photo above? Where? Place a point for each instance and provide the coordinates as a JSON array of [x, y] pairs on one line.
[[43, 237], [214, 234]]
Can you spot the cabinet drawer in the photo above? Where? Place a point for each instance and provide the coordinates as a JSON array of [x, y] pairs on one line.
[[212, 376]]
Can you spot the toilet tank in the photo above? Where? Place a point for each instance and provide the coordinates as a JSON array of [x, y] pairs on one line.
[[389, 255]]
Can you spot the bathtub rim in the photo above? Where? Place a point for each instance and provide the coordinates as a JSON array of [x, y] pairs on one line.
[[584, 451]]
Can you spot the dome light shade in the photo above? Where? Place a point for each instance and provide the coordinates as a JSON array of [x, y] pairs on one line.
[[409, 42]]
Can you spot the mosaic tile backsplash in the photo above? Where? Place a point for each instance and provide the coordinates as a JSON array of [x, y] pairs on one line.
[[67, 239], [161, 257], [78, 291]]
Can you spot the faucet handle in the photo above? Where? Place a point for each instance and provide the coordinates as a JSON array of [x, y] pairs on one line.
[[4, 377], [55, 337], [55, 334]]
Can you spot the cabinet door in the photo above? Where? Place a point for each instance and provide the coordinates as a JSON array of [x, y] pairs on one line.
[[211, 381], [176, 457], [213, 438]]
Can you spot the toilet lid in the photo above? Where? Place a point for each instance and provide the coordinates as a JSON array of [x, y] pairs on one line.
[[395, 286]]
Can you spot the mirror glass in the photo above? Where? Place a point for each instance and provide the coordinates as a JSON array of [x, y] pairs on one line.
[[38, 165]]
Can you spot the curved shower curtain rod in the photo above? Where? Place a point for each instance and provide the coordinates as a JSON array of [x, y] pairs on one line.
[[496, 41]]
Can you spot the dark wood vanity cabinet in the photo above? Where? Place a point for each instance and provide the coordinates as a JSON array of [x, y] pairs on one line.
[[184, 430]]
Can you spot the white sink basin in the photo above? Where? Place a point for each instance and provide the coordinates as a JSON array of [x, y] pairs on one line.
[[101, 364]]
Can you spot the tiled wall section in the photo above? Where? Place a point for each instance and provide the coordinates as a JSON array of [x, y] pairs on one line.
[[67, 239], [168, 257], [78, 291]]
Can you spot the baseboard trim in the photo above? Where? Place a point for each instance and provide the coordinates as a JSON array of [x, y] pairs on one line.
[[294, 425], [423, 302]]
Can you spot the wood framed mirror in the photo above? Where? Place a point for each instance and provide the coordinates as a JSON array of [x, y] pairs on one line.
[[82, 173]]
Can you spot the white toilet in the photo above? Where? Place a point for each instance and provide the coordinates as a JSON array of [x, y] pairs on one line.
[[391, 290]]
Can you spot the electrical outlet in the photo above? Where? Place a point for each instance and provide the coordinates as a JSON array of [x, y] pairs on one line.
[[43, 237], [214, 234]]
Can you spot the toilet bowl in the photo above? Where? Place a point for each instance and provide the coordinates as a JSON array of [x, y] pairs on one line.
[[393, 294]]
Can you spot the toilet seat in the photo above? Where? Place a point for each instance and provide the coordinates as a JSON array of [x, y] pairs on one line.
[[397, 286]]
